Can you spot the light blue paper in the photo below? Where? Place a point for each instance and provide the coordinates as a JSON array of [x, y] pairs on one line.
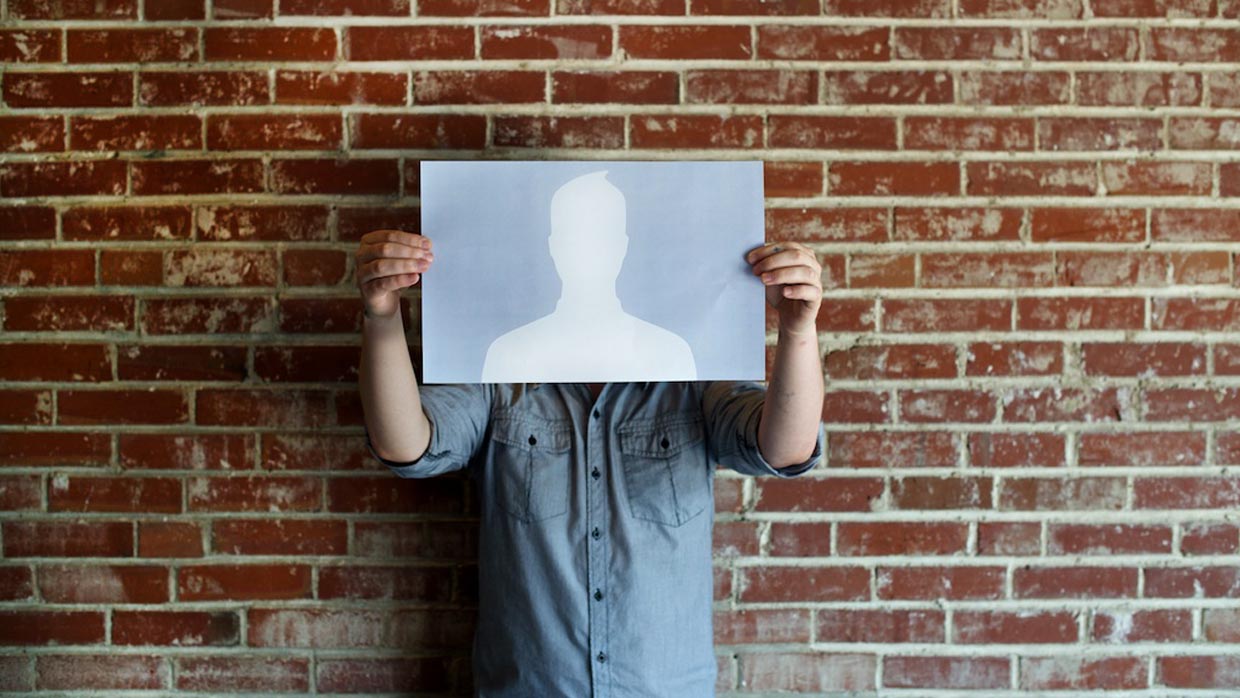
[[683, 275]]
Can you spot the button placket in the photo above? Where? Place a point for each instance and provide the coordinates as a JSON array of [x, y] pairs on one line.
[[596, 553]]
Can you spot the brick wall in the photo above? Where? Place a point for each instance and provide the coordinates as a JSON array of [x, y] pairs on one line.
[[1028, 219]]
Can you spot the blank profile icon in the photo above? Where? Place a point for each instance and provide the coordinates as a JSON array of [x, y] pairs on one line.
[[589, 334]]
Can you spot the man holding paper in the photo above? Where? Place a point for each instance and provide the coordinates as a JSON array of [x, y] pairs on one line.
[[596, 499]]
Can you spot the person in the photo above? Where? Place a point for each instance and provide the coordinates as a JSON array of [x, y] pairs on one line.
[[589, 333], [595, 500]]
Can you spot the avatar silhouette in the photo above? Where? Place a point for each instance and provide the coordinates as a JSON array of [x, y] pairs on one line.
[[589, 336]]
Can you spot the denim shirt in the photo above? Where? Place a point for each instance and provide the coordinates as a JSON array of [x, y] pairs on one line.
[[595, 551]]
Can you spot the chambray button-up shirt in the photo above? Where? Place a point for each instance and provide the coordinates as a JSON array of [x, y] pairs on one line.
[[595, 540]]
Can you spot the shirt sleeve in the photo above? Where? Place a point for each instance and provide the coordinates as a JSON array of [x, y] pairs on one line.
[[458, 415], [732, 411]]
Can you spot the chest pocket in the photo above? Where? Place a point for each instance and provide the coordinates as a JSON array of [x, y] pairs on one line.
[[531, 466], [665, 469]]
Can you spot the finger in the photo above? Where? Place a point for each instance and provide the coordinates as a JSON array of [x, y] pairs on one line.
[[770, 248], [802, 292], [391, 283], [401, 236], [800, 274], [380, 250], [390, 267], [786, 258]]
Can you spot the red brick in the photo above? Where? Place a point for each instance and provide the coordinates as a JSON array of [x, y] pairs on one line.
[[147, 406], [695, 131], [317, 628], [762, 626], [21, 493], [181, 628], [946, 315], [1110, 269], [345, 7], [1157, 178], [823, 43], [16, 584], [953, 223], [1080, 313], [238, 222], [901, 538], [27, 223], [1081, 133], [618, 87], [1075, 494], [1011, 88], [1198, 671], [487, 8], [1014, 359], [169, 539], [968, 133], [25, 406], [1091, 43], [1139, 89], [321, 315], [1204, 133], [807, 672], [269, 44], [1192, 582], [17, 673], [946, 672], [1213, 314], [169, 10], [1192, 44], [54, 362], [94, 584], [29, 628], [1191, 405], [68, 539], [750, 87], [274, 132], [109, 223], [74, 9], [842, 132], [1087, 225], [563, 42], [792, 179], [68, 313], [886, 87], [882, 626], [895, 361], [30, 45], [892, 178], [197, 177], [735, 539], [206, 316], [827, 225], [242, 582], [685, 41], [753, 7], [77, 89], [1206, 538], [1158, 625], [1023, 627], [800, 539], [987, 270], [69, 178], [1009, 538], [320, 176], [102, 672], [938, 493], [168, 362], [317, 87], [243, 9], [478, 87], [314, 267], [1074, 582], [254, 493], [559, 132], [818, 494], [1187, 493], [279, 537], [762, 584], [207, 88], [384, 675], [1082, 673], [243, 674], [31, 134], [132, 45], [403, 43], [428, 585], [957, 43], [1031, 178], [115, 494], [871, 449], [1143, 449]]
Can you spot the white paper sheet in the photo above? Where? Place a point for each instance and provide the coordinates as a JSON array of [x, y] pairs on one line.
[[592, 271]]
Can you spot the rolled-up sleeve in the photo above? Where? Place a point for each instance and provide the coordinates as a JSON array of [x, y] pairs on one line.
[[458, 415], [732, 410]]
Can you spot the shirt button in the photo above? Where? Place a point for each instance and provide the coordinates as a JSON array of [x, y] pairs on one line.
[[596, 533], [596, 413], [602, 657], [598, 595], [596, 473]]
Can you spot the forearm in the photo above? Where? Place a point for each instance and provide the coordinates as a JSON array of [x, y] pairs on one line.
[[792, 411], [391, 405]]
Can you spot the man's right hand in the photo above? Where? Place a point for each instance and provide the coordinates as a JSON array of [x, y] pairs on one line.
[[387, 261]]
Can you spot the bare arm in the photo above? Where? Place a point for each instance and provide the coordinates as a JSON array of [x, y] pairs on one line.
[[387, 261], [792, 411]]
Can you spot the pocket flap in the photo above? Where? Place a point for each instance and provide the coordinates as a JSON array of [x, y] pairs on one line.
[[659, 439], [533, 434]]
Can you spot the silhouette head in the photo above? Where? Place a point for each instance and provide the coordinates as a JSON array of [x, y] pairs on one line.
[[588, 239]]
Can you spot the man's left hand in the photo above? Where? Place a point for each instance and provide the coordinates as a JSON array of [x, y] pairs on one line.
[[793, 279]]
